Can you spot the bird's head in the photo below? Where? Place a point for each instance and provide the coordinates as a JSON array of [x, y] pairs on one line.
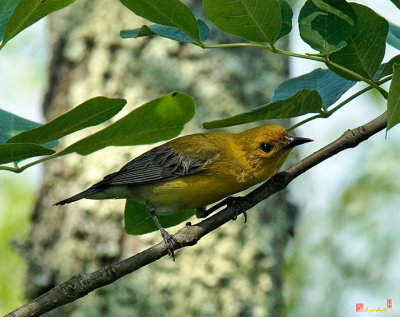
[[268, 146]]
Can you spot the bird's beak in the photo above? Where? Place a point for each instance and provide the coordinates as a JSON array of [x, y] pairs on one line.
[[293, 141]]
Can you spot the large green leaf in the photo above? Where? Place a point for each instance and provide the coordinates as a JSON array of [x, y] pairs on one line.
[[393, 37], [166, 12], [303, 102], [89, 113], [139, 221], [326, 24], [167, 32], [20, 151], [253, 20], [11, 124], [160, 119], [329, 85], [365, 48], [393, 110], [28, 12], [287, 16], [7, 7]]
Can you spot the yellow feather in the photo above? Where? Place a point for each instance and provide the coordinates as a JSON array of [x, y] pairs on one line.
[[235, 162]]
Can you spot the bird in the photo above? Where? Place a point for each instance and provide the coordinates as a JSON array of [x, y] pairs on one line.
[[194, 171]]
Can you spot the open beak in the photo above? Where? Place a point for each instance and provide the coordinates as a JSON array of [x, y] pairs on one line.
[[293, 141]]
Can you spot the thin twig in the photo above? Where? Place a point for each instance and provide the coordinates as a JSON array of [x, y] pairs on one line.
[[327, 114], [80, 285]]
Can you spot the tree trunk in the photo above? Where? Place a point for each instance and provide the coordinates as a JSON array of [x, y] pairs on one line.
[[235, 271]]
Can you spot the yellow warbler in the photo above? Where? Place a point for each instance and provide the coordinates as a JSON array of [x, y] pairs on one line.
[[196, 170]]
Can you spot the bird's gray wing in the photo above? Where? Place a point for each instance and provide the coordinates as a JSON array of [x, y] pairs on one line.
[[159, 164]]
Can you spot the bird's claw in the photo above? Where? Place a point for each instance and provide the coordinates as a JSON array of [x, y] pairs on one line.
[[170, 242], [235, 203]]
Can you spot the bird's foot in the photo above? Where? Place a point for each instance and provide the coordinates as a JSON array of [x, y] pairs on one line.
[[170, 242], [236, 204]]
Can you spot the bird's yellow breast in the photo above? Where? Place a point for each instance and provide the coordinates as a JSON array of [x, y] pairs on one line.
[[189, 192]]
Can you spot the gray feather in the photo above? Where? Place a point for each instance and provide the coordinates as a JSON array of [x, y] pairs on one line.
[[94, 189], [159, 164]]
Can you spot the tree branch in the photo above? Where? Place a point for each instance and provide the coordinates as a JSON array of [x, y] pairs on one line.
[[80, 285]]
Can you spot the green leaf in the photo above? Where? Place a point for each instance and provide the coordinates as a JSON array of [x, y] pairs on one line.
[[89, 113], [329, 86], [20, 151], [388, 67], [287, 16], [160, 119], [28, 12], [139, 221], [253, 20], [396, 3], [393, 110], [167, 32], [166, 12], [6, 10], [365, 48], [11, 124], [326, 24], [309, 93], [303, 102], [393, 37]]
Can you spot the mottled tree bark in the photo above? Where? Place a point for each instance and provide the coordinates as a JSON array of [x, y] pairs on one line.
[[236, 271]]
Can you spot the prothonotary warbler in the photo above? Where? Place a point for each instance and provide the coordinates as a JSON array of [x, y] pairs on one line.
[[193, 171]]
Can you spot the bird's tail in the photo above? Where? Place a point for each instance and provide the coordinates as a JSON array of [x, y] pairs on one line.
[[94, 189]]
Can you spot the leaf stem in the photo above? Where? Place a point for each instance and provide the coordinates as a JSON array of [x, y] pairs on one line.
[[17, 169], [370, 82], [43, 159], [340, 105], [346, 101], [308, 56], [304, 121], [268, 48], [8, 168], [305, 56]]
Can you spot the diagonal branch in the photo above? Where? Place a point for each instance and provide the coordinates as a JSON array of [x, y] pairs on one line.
[[80, 285]]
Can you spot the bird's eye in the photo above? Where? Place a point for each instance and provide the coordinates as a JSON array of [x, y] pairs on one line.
[[266, 147]]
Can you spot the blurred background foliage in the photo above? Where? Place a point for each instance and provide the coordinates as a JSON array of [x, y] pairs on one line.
[[343, 251], [346, 253], [16, 200], [22, 84]]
